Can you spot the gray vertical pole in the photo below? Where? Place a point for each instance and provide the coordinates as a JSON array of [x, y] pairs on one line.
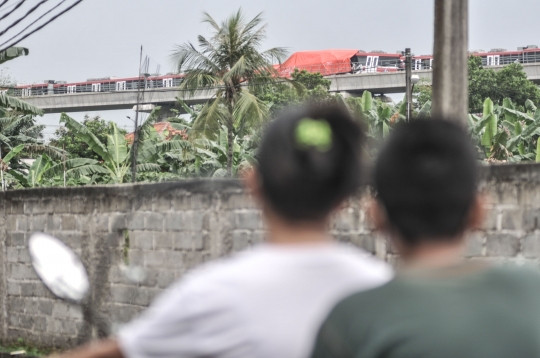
[[408, 85], [135, 145], [2, 171], [450, 76]]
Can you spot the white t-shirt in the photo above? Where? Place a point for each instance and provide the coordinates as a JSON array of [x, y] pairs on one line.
[[266, 302]]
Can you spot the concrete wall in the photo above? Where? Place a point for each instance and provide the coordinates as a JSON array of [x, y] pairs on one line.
[[168, 228]]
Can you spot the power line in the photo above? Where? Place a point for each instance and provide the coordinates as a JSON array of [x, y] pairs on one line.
[[47, 22], [39, 18], [22, 18]]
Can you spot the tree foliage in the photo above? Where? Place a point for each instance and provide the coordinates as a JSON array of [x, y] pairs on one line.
[[307, 87], [509, 82], [75, 146]]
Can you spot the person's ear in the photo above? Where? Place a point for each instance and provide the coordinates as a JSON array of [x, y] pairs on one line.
[[377, 215], [252, 183], [477, 214]]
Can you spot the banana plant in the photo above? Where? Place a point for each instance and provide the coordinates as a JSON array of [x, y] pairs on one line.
[[115, 154], [35, 174], [81, 169], [377, 115], [505, 134], [211, 156]]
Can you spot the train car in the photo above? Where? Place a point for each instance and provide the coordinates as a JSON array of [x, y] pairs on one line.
[[501, 57], [105, 84], [424, 62], [375, 61]]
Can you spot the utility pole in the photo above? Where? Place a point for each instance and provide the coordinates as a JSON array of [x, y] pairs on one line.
[[135, 145], [2, 170], [64, 162], [450, 52], [408, 84]]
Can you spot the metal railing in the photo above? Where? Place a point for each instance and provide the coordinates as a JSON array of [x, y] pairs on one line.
[[501, 60], [112, 86]]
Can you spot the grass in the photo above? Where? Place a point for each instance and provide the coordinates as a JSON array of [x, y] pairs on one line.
[[22, 345]]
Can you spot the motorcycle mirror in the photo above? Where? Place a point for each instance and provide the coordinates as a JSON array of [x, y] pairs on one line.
[[60, 269]]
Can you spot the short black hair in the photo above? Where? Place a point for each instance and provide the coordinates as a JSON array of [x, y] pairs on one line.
[[426, 178], [305, 183]]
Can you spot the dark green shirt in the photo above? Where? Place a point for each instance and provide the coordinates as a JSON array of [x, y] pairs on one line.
[[458, 313]]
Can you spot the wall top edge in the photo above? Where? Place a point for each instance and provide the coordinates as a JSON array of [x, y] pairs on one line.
[[131, 190], [488, 173]]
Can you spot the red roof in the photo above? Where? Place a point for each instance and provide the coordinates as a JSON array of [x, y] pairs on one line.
[[161, 127], [326, 62]]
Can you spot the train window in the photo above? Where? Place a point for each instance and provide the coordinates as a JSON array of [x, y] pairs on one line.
[[361, 60], [150, 84], [417, 65], [121, 85], [96, 87], [531, 57], [26, 92], [167, 82], [372, 63], [494, 60], [71, 89]]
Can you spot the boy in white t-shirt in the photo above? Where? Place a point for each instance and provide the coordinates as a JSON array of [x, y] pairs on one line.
[[269, 301]]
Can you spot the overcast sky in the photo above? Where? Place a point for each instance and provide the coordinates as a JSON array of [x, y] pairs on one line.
[[103, 37]]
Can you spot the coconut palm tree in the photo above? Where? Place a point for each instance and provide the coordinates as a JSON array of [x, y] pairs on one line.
[[230, 65]]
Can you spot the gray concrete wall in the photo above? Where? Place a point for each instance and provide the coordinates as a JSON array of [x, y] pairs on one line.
[[168, 228]]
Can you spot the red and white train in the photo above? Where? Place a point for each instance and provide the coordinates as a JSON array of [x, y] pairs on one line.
[[326, 62], [334, 62], [106, 84]]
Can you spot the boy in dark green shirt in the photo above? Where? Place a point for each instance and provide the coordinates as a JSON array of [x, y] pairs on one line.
[[438, 305]]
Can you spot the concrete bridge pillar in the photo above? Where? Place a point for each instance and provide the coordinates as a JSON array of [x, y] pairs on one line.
[[450, 78]]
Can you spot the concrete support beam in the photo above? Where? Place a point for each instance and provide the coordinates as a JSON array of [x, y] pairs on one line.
[[450, 82]]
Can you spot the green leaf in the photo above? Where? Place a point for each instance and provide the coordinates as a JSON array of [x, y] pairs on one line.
[[17, 177], [516, 115], [223, 140], [76, 167], [86, 135], [538, 151], [19, 105], [510, 126], [488, 107], [511, 144], [521, 148], [36, 170], [151, 151], [385, 130], [529, 106], [220, 173], [13, 153], [367, 101], [248, 112], [490, 130], [117, 147], [148, 167], [507, 103], [425, 110], [13, 52], [517, 128]]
